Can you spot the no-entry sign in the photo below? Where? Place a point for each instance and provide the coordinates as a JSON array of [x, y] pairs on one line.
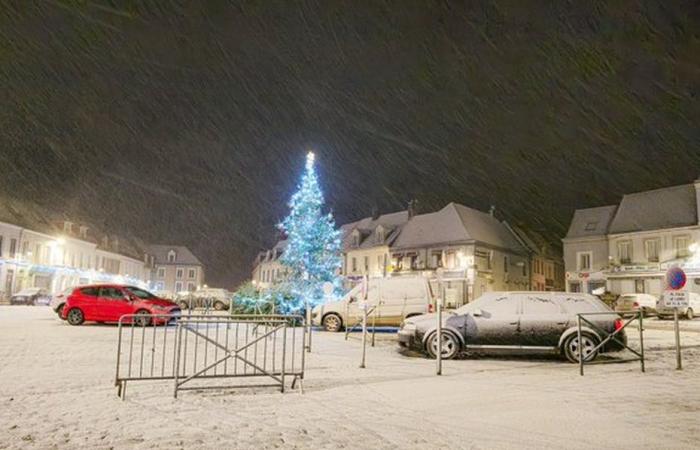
[[675, 279], [674, 297]]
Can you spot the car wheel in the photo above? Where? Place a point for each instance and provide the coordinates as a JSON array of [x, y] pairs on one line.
[[571, 347], [689, 314], [219, 306], [143, 318], [450, 345], [75, 317], [59, 311], [332, 323]]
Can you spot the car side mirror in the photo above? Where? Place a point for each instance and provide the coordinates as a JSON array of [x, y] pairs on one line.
[[477, 313]]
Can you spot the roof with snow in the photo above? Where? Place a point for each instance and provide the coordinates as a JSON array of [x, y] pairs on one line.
[[366, 230], [183, 255], [591, 222], [456, 223], [669, 207]]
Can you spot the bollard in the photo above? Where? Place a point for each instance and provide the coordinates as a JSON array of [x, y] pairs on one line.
[[364, 335]]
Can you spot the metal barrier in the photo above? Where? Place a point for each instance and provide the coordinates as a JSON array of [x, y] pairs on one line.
[[201, 348], [608, 337]]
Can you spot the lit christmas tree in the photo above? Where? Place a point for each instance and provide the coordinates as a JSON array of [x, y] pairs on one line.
[[313, 244]]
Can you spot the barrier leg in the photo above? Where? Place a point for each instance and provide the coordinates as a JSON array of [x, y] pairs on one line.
[[641, 339]]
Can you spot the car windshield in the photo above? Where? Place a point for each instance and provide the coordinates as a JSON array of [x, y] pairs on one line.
[[140, 293], [476, 304]]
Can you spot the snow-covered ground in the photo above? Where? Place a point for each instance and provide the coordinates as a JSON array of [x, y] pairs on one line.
[[56, 391]]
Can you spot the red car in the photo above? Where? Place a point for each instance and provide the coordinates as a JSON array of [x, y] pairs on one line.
[[109, 302]]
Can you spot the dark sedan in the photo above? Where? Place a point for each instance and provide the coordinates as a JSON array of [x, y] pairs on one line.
[[31, 296], [516, 322]]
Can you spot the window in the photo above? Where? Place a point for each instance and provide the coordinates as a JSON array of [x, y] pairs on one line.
[[651, 248], [501, 306], [539, 305], [583, 261], [591, 226], [179, 273], [140, 293], [89, 291], [436, 259], [191, 273], [380, 266], [680, 245], [171, 256], [354, 264], [524, 266], [505, 264], [624, 252], [13, 248], [178, 286], [366, 264], [111, 293], [0, 246], [380, 234], [190, 286], [161, 272], [489, 260], [574, 286]]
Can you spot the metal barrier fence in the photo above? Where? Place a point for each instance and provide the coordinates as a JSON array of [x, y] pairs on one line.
[[194, 350], [607, 338]]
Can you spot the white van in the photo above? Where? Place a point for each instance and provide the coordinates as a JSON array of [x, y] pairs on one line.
[[394, 299]]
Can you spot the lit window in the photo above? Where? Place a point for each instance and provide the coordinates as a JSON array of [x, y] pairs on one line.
[[584, 261], [624, 252], [680, 244], [651, 248]]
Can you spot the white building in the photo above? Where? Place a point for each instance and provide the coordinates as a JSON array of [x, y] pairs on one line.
[[268, 268], [62, 255], [628, 247]]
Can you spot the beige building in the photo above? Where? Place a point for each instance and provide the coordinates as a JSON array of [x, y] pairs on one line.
[[628, 248], [268, 268], [55, 255], [174, 269]]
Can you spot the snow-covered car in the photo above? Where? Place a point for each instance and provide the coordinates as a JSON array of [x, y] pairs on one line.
[[516, 322], [636, 302], [58, 301], [395, 299], [689, 313], [216, 298], [31, 296]]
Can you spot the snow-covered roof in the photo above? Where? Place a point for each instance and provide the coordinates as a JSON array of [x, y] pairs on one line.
[[367, 230], [456, 223], [183, 255], [669, 207], [591, 222]]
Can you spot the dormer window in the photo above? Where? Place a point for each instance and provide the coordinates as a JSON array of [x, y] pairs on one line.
[[171, 256], [83, 232], [381, 233], [68, 227], [356, 238]]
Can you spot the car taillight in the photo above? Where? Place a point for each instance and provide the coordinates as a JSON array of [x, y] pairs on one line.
[[618, 324], [431, 308]]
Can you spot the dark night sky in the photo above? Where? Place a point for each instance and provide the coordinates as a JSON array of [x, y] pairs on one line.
[[188, 124]]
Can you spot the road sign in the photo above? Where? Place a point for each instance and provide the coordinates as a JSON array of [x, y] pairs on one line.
[[675, 279], [676, 299]]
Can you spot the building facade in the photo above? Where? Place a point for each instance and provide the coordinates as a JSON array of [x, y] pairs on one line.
[[268, 268], [471, 251], [627, 248], [173, 269], [62, 255]]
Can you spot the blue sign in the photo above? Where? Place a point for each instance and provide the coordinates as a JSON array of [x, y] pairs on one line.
[[675, 279]]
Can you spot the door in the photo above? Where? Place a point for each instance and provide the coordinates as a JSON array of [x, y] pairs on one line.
[[87, 301], [542, 321], [498, 323], [113, 303], [394, 294]]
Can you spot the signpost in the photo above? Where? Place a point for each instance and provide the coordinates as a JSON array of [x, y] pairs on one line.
[[675, 298]]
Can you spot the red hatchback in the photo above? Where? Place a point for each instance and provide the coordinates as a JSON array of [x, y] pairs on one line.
[[109, 302]]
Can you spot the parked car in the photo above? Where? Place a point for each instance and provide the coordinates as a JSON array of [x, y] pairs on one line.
[[31, 296], [219, 299], [636, 302], [516, 322], [395, 299], [109, 302], [689, 313], [58, 301]]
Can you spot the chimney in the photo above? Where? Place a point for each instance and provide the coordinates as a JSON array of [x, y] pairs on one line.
[[375, 213], [697, 198], [492, 211], [412, 208]]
